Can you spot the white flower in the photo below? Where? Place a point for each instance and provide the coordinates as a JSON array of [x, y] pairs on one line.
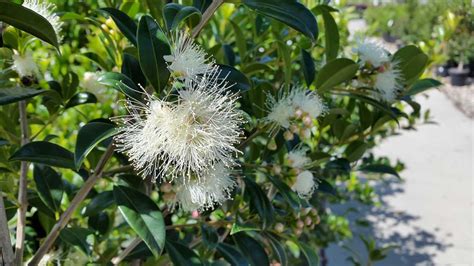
[[185, 137], [24, 65], [308, 102], [304, 184], [297, 158], [214, 189], [281, 111], [388, 83], [46, 10], [371, 52], [187, 59]]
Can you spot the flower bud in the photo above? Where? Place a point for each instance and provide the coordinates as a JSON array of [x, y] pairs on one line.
[[298, 232], [288, 135], [166, 187], [308, 221], [294, 129], [279, 227], [276, 169], [168, 197], [307, 120], [298, 113], [299, 224], [272, 145], [314, 212]]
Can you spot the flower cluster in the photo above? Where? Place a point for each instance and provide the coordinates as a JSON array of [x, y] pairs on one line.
[[188, 140], [379, 70], [295, 110], [304, 183], [24, 65]]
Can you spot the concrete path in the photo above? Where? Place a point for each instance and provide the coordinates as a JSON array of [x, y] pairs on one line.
[[429, 215]]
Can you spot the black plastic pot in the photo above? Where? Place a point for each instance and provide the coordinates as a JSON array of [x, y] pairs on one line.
[[389, 38], [458, 76]]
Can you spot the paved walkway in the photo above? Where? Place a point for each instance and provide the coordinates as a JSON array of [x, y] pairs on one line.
[[429, 215]]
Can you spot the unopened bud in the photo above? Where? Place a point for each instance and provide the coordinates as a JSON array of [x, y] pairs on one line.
[[272, 145], [308, 221], [294, 128], [298, 113], [279, 227], [276, 169], [166, 187], [298, 232], [169, 196], [307, 120], [288, 135], [299, 224]]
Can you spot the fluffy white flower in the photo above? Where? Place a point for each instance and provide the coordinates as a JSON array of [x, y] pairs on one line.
[[308, 102], [187, 59], [281, 111], [371, 52], [185, 137], [388, 83], [214, 189], [24, 65], [297, 158], [46, 10], [304, 184]]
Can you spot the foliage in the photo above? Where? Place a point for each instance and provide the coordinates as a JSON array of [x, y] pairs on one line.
[[264, 48]]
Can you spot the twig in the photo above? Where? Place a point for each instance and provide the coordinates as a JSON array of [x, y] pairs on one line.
[[207, 16], [5, 241], [22, 190], [126, 251], [66, 216], [117, 170], [244, 143]]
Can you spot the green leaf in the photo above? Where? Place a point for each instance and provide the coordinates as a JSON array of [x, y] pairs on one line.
[[356, 150], [181, 255], [99, 222], [209, 236], [278, 248], [46, 153], [232, 255], [233, 76], [152, 46], [49, 185], [421, 86], [90, 136], [379, 168], [326, 187], [121, 83], [16, 94], [239, 227], [307, 65], [335, 72], [131, 68], [77, 236], [290, 12], [331, 32], [35, 201], [100, 202], [289, 195], [412, 62], [309, 253], [126, 25], [252, 249], [27, 20], [239, 40], [143, 215], [259, 202], [174, 14], [81, 98]]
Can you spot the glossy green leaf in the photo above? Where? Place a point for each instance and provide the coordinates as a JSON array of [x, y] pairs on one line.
[[77, 236], [331, 32], [335, 72], [181, 255], [421, 86], [307, 65], [290, 12], [239, 227], [121, 83], [27, 20], [90, 136], [278, 248], [35, 201], [81, 98], [251, 248], [233, 76], [131, 69], [356, 150], [259, 202], [309, 253], [100, 202], [143, 216], [239, 40], [126, 25], [412, 62], [326, 187], [232, 255], [49, 185], [152, 46], [46, 153], [99, 222], [380, 169], [174, 14], [288, 194], [16, 94]]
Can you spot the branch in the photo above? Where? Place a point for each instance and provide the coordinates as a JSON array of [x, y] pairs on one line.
[[5, 241], [22, 190], [66, 216], [207, 16], [126, 251]]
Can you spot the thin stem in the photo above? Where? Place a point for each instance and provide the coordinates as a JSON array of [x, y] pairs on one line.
[[22, 190], [126, 251], [5, 241], [244, 143], [117, 170], [207, 16], [66, 216]]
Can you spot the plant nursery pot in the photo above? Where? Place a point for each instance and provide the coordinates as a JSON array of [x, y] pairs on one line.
[[389, 38], [471, 68], [458, 76]]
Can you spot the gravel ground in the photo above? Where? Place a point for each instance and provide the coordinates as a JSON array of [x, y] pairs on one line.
[[462, 97]]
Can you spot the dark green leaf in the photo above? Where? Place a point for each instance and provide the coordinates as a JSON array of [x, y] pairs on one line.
[[259, 202], [239, 227], [331, 33], [121, 83], [412, 62], [46, 153], [326, 187], [76, 236], [307, 64], [99, 222], [89, 136], [181, 255], [49, 185], [335, 72], [35, 201], [210, 236], [278, 248], [81, 98], [141, 251], [27, 20], [131, 68], [310, 254], [356, 150], [152, 46], [143, 215], [232, 255], [422, 85], [233, 76], [379, 168], [11, 95], [98, 203], [290, 196], [126, 25], [290, 12], [252, 249], [174, 14]]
